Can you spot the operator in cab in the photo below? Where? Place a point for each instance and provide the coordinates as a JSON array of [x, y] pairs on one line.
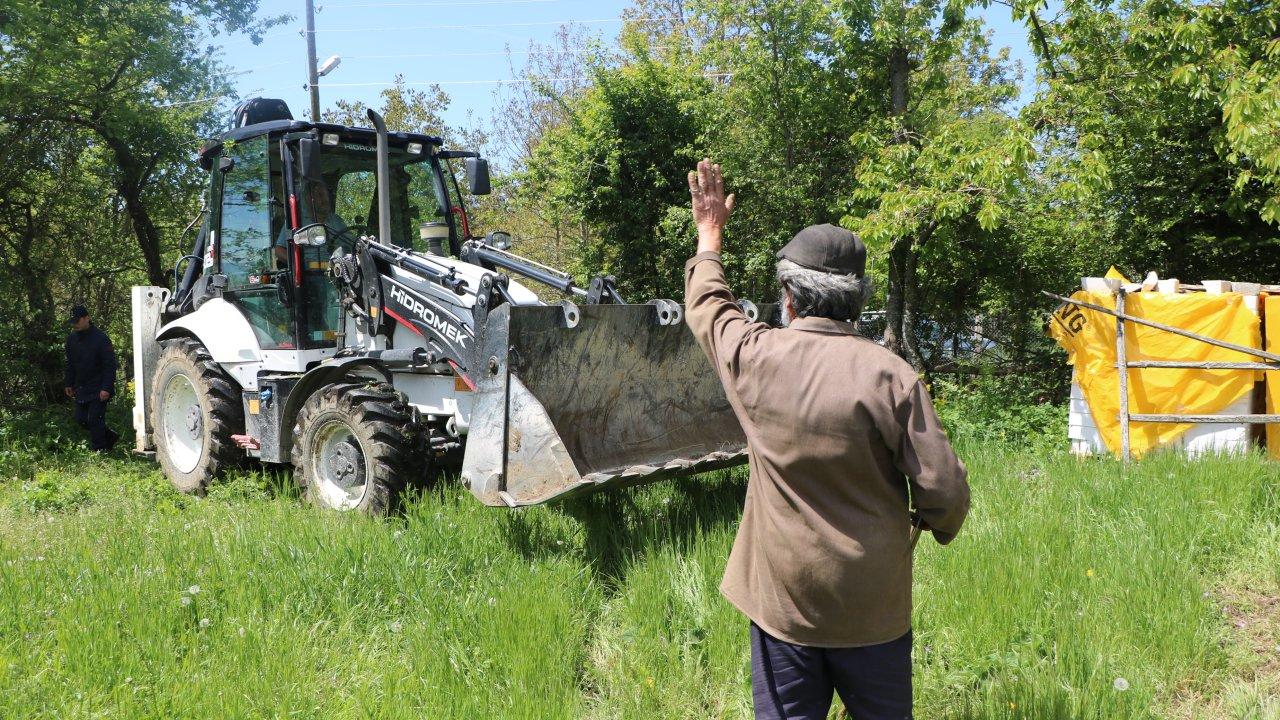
[[318, 207], [842, 441], [89, 378]]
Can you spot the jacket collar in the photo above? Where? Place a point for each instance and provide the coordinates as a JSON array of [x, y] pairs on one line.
[[823, 325]]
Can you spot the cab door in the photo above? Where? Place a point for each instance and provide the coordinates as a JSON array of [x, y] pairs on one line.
[[252, 242]]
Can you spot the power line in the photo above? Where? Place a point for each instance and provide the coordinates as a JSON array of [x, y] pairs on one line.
[[211, 98], [441, 82], [477, 25], [433, 4], [192, 102], [246, 71], [484, 54], [475, 82]]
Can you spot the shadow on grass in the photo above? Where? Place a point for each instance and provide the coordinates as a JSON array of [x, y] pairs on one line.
[[621, 527]]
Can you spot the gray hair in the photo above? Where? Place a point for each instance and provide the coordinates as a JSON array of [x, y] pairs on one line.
[[821, 294]]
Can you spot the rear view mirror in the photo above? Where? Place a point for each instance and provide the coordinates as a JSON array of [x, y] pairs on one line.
[[498, 239], [309, 159], [315, 234], [478, 176]]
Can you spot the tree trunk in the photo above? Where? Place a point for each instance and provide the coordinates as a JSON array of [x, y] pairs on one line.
[[899, 72], [900, 301], [130, 184], [900, 307]]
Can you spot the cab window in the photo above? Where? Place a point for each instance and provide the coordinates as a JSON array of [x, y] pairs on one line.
[[245, 241]]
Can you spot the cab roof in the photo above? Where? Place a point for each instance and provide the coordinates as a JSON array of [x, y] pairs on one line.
[[280, 127]]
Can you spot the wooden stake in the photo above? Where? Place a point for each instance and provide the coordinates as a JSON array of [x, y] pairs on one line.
[[1123, 369]]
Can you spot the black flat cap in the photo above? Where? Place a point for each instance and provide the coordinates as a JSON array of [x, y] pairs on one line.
[[77, 312], [827, 248]]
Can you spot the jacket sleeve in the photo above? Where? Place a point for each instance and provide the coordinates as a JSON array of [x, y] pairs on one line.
[[939, 481], [108, 364], [713, 315], [68, 370]]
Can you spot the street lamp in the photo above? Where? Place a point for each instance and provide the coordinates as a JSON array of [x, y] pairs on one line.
[[329, 65]]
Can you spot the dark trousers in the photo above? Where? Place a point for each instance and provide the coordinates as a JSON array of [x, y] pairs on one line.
[[92, 416], [795, 682]]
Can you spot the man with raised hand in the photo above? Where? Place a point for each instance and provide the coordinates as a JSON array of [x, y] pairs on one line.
[[842, 441]]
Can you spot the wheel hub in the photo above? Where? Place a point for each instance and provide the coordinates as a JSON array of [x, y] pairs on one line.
[[345, 463], [339, 462], [194, 420], [181, 421]]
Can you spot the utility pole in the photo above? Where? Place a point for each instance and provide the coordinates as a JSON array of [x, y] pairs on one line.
[[312, 78]]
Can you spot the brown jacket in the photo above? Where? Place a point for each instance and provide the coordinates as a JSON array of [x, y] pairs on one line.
[[841, 436]]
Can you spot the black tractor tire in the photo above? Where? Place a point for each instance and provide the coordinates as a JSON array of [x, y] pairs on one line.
[[213, 414], [356, 446]]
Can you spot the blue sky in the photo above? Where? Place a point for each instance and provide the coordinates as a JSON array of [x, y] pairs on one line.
[[460, 45]]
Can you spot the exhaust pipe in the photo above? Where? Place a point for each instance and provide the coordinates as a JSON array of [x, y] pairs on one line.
[[384, 179]]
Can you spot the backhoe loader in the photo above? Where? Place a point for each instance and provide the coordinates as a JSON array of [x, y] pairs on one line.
[[336, 315]]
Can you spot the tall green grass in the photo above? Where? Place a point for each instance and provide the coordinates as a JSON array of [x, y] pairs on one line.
[[1069, 576]]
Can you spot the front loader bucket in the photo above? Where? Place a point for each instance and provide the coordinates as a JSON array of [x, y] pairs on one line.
[[571, 399]]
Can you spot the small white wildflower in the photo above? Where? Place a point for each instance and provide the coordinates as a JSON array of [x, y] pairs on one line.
[[194, 589], [1120, 684], [241, 631], [666, 501], [559, 542], [397, 533], [186, 600], [395, 626], [204, 622], [492, 602], [128, 680]]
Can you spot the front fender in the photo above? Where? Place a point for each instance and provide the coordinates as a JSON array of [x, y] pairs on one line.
[[222, 329], [325, 373]]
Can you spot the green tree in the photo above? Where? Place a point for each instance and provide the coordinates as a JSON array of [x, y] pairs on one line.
[[104, 106], [942, 159], [137, 77], [1166, 116], [620, 161]]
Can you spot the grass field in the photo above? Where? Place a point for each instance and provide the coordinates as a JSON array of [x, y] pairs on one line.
[[1078, 589]]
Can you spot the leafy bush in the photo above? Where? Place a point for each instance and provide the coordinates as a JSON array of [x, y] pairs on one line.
[[28, 439], [1007, 410], [53, 492]]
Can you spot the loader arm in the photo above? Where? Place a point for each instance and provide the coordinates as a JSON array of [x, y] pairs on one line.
[[567, 398]]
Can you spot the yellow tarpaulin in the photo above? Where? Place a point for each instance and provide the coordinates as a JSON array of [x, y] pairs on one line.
[[1089, 337]]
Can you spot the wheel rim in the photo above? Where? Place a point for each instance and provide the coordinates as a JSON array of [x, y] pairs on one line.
[[341, 478], [183, 423]]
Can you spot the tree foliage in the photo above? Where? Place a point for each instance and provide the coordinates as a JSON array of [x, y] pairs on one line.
[[104, 106], [620, 161], [1152, 142]]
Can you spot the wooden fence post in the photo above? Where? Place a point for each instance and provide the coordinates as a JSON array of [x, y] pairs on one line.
[[1122, 367]]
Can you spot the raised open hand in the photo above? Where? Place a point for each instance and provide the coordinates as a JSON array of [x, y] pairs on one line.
[[711, 208]]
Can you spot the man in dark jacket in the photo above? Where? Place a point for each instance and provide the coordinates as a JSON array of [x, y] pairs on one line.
[[90, 378]]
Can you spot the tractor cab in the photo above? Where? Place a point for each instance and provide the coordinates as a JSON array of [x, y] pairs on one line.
[[284, 195]]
